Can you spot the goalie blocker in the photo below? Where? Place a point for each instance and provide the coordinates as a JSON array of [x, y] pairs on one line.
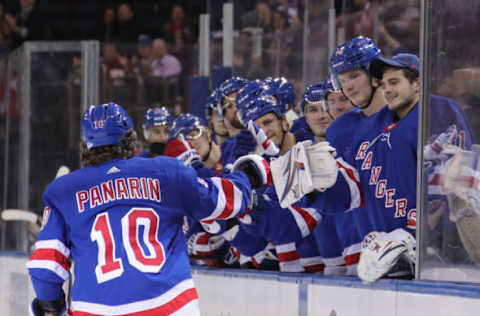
[[303, 169]]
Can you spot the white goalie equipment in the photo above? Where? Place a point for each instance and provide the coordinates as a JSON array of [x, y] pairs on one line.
[[381, 251], [303, 169]]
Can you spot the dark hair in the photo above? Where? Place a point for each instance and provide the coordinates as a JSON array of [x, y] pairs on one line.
[[410, 75], [99, 155]]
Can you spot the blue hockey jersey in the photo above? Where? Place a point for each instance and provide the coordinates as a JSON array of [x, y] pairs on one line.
[[381, 172], [121, 222]]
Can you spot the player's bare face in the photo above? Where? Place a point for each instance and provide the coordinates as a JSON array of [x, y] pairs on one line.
[[158, 134], [338, 104], [199, 138], [229, 105], [356, 86], [272, 126], [400, 93], [317, 118], [218, 125]]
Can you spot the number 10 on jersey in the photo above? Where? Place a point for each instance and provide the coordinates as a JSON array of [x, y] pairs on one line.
[[110, 267]]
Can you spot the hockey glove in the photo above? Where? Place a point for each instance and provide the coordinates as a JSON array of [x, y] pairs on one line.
[[56, 308], [443, 146], [323, 167], [182, 150], [245, 144], [256, 168], [381, 251], [204, 244], [461, 184], [266, 145], [303, 169]]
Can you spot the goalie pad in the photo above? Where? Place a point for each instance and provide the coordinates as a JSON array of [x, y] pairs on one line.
[[378, 256], [304, 168], [256, 168]]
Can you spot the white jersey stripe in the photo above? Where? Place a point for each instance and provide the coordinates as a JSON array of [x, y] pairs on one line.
[[49, 265], [53, 244]]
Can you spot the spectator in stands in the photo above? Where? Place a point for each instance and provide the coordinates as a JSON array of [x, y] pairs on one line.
[[114, 66], [5, 40], [144, 49], [177, 33], [293, 10], [27, 24], [164, 64], [107, 27], [260, 17], [126, 30], [177, 108]]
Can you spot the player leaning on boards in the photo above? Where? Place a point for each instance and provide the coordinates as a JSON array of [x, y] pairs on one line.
[[382, 173], [120, 219]]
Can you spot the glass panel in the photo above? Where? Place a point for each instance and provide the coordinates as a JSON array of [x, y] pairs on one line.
[[145, 74], [392, 24], [44, 106], [450, 227]]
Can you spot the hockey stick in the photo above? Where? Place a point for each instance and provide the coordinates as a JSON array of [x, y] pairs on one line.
[[28, 216], [20, 215]]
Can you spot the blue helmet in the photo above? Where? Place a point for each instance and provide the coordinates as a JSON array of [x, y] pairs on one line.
[[283, 90], [158, 116], [211, 103], [227, 87], [354, 54], [260, 106], [317, 93], [250, 92], [105, 124], [184, 124]]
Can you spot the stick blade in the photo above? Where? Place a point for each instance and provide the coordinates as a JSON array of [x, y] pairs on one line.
[[63, 170], [19, 215]]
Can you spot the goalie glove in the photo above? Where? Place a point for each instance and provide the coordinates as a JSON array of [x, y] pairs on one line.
[[443, 146], [56, 308], [323, 166], [461, 184], [303, 169], [256, 168], [381, 251], [181, 149], [266, 145]]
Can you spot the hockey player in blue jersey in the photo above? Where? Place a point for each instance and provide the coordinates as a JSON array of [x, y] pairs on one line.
[[315, 109], [264, 115], [215, 122], [190, 141], [156, 124], [338, 103], [227, 109], [120, 219], [382, 173], [350, 76]]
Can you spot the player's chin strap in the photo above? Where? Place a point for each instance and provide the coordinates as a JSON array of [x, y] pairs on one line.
[[372, 94]]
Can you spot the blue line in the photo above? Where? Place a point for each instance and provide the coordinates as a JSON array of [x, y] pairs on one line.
[[303, 298]]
